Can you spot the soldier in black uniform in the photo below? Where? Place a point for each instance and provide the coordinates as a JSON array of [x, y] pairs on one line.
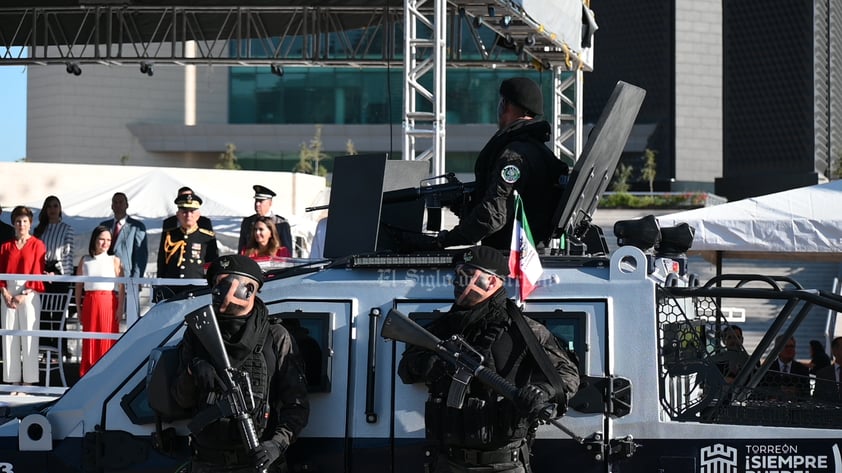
[[258, 346], [185, 250], [489, 433], [515, 158], [263, 208]]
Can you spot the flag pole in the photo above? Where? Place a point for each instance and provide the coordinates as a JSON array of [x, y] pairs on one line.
[[516, 272]]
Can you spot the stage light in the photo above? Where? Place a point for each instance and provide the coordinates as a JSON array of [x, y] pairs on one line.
[[147, 68], [277, 69], [73, 68]]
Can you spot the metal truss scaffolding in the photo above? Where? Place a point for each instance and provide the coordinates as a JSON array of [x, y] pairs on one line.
[[436, 34], [419, 124]]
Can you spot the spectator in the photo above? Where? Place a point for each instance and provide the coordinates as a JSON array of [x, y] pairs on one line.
[[103, 301], [787, 378], [21, 305], [128, 237], [59, 238], [828, 380], [172, 220], [263, 208], [186, 249], [317, 247], [818, 357], [7, 232], [732, 360], [264, 243]]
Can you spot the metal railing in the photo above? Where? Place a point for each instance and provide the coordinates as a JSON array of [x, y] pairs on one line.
[[136, 305]]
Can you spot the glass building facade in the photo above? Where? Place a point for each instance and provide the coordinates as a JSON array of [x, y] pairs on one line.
[[366, 96], [351, 96]]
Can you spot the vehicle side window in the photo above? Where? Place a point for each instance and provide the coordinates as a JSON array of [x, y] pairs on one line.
[[314, 337], [569, 328]]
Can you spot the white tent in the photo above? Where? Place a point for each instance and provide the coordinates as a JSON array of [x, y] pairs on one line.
[[803, 223], [85, 192]]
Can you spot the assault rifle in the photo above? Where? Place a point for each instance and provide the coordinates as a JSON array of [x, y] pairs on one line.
[[237, 399], [466, 360], [453, 193]]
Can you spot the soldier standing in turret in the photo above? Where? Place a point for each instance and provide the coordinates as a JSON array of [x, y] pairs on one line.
[[514, 159]]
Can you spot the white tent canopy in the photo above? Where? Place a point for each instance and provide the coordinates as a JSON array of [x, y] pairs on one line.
[[803, 223], [85, 192]]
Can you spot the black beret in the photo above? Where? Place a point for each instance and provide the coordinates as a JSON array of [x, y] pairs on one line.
[[487, 259], [188, 201], [235, 264], [262, 192], [524, 92]]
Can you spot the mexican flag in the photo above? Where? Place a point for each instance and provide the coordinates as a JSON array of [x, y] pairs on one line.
[[524, 264]]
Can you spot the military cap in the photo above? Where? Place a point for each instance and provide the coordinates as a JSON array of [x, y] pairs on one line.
[[524, 92], [262, 193], [235, 264], [487, 259], [188, 201]]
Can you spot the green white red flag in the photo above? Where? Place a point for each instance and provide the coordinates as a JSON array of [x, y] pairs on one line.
[[524, 263]]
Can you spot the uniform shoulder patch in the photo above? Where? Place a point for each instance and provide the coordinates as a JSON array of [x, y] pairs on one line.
[[510, 173], [206, 231]]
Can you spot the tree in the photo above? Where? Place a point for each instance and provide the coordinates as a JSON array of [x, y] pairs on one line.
[[350, 149], [621, 178], [310, 156], [650, 168], [228, 159], [837, 171]]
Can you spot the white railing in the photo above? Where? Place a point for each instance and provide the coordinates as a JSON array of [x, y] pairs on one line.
[[135, 307], [133, 286]]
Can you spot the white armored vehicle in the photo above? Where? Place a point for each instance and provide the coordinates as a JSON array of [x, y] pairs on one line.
[[648, 335]]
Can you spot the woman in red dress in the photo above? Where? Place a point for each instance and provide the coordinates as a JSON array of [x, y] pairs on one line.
[[104, 301], [264, 242], [21, 304]]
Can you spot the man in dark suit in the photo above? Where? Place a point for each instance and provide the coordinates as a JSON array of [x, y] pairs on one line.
[[263, 208], [128, 237], [172, 220], [829, 378], [787, 378], [7, 232]]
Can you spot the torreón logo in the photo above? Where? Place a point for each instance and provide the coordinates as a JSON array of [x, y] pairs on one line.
[[718, 459], [769, 458]]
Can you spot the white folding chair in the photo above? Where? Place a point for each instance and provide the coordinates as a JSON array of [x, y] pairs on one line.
[[52, 358]]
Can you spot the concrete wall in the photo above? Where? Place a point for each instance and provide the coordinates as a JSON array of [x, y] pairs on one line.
[[698, 90], [83, 119]]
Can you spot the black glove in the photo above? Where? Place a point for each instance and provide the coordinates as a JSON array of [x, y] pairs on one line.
[[266, 453], [204, 374], [431, 367], [532, 400], [418, 242]]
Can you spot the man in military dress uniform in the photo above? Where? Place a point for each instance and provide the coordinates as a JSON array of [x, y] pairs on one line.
[[172, 220], [185, 250], [263, 208]]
